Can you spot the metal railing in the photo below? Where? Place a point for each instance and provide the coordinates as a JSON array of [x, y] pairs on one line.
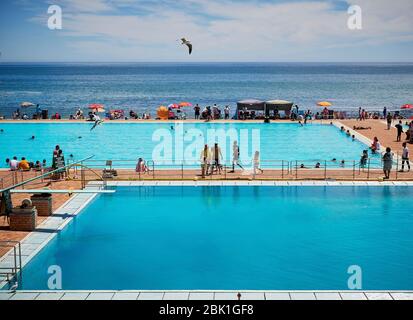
[[272, 170], [11, 272]]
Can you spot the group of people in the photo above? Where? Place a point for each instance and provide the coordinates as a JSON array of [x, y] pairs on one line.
[[25, 165], [211, 113], [211, 160], [58, 162]]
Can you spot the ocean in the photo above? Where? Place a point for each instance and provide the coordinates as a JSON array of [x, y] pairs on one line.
[[145, 86]]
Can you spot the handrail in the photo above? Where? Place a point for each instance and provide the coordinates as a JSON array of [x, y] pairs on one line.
[[45, 175], [14, 270]]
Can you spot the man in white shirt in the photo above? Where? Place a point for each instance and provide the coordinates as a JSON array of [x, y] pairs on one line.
[[405, 157], [14, 164]]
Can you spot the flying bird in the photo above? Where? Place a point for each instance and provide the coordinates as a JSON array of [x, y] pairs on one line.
[[188, 44]]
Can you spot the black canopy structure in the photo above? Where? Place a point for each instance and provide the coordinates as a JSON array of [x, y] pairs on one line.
[[250, 105], [278, 105]]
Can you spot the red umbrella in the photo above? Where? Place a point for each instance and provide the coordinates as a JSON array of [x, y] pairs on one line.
[[174, 106], [185, 104], [97, 107], [407, 106]]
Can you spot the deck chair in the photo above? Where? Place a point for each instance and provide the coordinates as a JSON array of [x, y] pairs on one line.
[[109, 172]]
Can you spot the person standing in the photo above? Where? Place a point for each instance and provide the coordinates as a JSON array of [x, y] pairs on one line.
[[399, 128], [235, 157], [205, 161], [389, 120], [197, 110], [216, 157], [405, 157], [387, 163], [385, 112], [226, 112]]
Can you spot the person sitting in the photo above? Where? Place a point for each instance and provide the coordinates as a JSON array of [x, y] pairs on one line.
[[38, 166], [364, 158], [141, 166], [375, 147], [24, 165], [13, 164]]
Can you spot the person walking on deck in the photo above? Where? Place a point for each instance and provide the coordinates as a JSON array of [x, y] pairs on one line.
[[256, 163], [387, 163], [235, 157], [405, 157]]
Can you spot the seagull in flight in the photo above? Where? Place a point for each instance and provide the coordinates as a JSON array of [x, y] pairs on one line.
[[188, 44]]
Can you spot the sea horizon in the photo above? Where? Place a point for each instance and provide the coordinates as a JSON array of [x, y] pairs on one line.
[[64, 87]]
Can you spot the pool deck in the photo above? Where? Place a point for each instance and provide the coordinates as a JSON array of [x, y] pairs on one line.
[[208, 295]]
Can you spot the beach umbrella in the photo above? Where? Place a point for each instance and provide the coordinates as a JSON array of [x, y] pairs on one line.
[[163, 113], [174, 106], [96, 107], [324, 104], [185, 104], [407, 106], [27, 105]]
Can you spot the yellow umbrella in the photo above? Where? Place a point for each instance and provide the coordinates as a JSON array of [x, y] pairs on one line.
[[324, 104]]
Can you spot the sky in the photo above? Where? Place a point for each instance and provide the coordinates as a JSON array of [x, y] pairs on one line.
[[220, 30]]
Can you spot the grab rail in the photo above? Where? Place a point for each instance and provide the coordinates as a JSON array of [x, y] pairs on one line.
[[16, 267]]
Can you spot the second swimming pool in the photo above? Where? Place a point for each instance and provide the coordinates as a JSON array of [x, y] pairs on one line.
[[235, 238]]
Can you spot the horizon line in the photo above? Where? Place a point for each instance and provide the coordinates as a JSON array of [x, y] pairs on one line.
[[193, 62]]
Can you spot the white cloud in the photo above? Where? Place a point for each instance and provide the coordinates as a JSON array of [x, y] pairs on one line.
[[229, 30]]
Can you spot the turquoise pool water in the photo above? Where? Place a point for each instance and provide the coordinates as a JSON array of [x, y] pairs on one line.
[[235, 238], [174, 142]]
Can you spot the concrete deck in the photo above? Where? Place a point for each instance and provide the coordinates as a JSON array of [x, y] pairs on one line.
[[207, 295]]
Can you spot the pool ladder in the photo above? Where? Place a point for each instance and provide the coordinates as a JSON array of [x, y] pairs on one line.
[[11, 271]]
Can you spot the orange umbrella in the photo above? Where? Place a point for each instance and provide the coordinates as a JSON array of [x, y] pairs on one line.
[[96, 107], [324, 104], [185, 104], [163, 113]]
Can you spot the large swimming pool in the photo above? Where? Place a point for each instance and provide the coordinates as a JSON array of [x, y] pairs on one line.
[[174, 141], [228, 237]]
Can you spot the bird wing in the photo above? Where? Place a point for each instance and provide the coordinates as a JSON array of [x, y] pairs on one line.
[[190, 47]]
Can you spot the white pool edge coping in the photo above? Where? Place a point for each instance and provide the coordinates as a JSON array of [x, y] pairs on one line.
[[208, 295]]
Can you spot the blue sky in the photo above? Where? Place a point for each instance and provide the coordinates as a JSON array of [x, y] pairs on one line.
[[221, 30]]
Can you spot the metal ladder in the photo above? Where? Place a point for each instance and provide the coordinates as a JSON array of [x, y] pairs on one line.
[[11, 272]]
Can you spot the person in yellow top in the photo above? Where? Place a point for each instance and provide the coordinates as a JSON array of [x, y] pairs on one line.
[[24, 165], [205, 160]]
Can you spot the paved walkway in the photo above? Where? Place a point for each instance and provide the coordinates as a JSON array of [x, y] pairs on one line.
[[206, 295]]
